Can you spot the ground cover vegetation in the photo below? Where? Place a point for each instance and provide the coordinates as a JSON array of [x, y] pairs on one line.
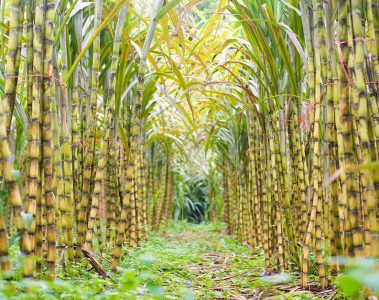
[[117, 116]]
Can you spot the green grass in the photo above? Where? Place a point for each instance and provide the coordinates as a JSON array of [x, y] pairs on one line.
[[186, 262]]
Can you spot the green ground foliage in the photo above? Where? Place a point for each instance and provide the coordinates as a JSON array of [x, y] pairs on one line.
[[187, 261]]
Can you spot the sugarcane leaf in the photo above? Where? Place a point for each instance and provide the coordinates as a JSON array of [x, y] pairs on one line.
[[79, 6], [137, 48], [298, 12], [104, 23], [65, 21], [295, 42], [166, 8]]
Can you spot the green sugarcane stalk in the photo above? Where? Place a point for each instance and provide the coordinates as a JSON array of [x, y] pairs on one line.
[[48, 195], [353, 230], [109, 115], [274, 149], [373, 34], [34, 135], [66, 151], [12, 59], [368, 193], [29, 9], [14, 194], [135, 132], [89, 152], [5, 263], [314, 76]]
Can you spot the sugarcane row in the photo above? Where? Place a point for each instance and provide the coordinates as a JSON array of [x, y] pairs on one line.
[[54, 206], [310, 190]]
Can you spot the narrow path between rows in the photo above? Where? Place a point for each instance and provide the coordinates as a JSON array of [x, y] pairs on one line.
[[202, 262]]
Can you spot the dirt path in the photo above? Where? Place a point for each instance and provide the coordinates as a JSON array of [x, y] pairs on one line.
[[201, 262]]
